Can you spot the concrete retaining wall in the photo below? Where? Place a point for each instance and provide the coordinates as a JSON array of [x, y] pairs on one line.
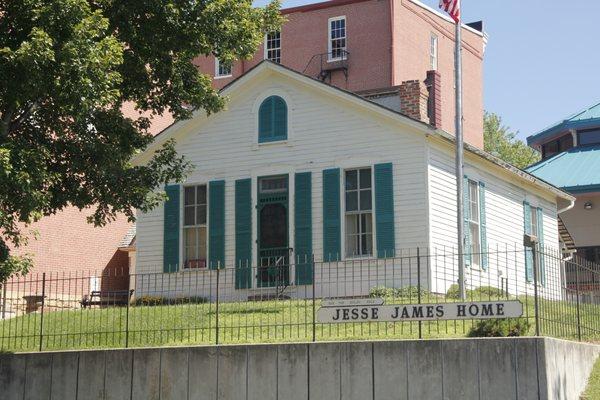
[[518, 368]]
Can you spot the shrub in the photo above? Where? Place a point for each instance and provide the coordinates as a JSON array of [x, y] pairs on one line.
[[160, 301], [500, 328], [406, 292], [453, 292], [487, 292], [481, 293], [382, 291], [411, 292], [149, 301]]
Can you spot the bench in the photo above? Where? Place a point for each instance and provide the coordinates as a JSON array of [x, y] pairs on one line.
[[106, 298]]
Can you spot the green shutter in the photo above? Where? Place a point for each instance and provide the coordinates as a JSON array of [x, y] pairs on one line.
[[540, 230], [528, 252], [468, 247], [216, 224], [279, 119], [272, 120], [331, 215], [384, 210], [303, 228], [265, 123], [483, 227], [171, 229], [243, 234]]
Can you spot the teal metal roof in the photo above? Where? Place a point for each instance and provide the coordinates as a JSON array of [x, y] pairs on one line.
[[587, 118], [575, 171]]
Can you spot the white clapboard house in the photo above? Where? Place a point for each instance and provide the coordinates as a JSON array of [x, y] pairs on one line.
[[295, 170]]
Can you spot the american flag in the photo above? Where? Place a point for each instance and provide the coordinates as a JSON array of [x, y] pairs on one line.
[[452, 7]]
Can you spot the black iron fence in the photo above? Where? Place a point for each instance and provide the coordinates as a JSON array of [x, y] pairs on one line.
[[279, 302]]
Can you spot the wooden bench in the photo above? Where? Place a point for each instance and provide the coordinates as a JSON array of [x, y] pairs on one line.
[[106, 298]]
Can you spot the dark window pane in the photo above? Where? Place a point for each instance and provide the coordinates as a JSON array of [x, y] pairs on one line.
[[589, 137], [201, 195], [351, 201], [200, 215], [565, 143], [365, 178], [189, 215], [190, 197], [549, 149], [351, 180], [365, 200]]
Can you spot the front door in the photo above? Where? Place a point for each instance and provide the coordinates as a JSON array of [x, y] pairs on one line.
[[273, 228]]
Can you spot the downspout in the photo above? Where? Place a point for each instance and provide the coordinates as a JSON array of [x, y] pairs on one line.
[[392, 52]]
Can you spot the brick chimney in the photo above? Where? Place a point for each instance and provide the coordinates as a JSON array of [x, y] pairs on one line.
[[413, 100], [434, 85]]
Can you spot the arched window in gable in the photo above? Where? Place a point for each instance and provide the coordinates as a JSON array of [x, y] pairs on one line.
[[272, 120]]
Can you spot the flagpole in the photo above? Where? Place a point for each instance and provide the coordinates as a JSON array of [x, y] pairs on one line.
[[459, 160]]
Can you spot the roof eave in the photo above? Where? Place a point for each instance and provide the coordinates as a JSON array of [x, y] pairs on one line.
[[558, 192], [540, 137], [425, 128]]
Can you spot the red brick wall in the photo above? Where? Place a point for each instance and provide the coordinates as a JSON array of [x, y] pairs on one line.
[[67, 243]]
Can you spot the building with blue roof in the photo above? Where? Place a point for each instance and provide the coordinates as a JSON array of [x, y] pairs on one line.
[[571, 160]]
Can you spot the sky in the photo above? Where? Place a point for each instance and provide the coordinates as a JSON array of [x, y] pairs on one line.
[[542, 61]]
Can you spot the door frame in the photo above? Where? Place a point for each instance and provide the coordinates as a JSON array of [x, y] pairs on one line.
[[258, 282]]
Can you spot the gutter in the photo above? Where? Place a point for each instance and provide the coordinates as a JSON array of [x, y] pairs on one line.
[[567, 208]]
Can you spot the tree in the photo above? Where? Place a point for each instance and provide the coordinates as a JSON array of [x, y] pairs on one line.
[[66, 69], [503, 143]]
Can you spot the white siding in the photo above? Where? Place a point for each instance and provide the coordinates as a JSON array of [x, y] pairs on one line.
[[326, 131], [505, 224], [322, 134]]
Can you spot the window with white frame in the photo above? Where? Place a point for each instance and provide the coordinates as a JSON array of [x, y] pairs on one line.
[[433, 51], [359, 212], [474, 223], [337, 39], [533, 228], [273, 47], [222, 69], [194, 227]]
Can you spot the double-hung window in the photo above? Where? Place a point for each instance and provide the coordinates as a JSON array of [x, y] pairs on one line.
[[433, 52], [273, 47], [337, 39], [474, 223], [222, 69], [359, 212], [535, 232], [194, 227]]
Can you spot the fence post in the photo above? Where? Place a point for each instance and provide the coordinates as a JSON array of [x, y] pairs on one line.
[[577, 294], [314, 320], [4, 299], [419, 288], [127, 317], [43, 304], [217, 309], [535, 289]]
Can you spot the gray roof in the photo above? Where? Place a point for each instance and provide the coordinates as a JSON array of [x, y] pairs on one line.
[[129, 238]]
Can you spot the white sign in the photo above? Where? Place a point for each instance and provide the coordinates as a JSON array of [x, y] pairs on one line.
[[352, 302], [420, 312]]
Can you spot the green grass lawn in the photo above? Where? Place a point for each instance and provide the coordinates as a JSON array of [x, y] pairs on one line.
[[243, 322], [592, 390]]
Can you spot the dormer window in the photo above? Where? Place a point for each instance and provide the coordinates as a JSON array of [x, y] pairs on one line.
[[272, 120], [550, 149], [588, 137]]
